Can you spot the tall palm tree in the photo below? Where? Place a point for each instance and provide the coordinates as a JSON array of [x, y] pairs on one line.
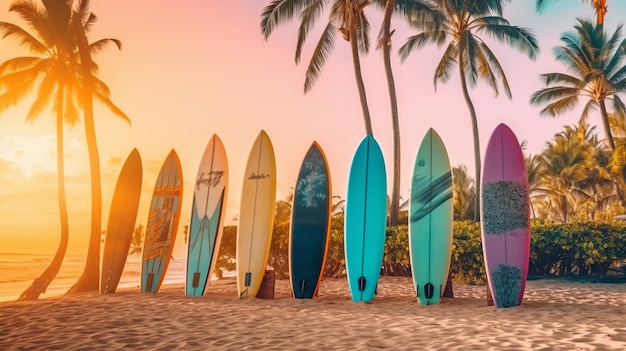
[[599, 7], [82, 19], [346, 17], [49, 73], [413, 10], [597, 72], [463, 20], [55, 73]]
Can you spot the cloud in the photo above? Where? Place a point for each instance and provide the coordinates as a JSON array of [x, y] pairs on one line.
[[36, 155]]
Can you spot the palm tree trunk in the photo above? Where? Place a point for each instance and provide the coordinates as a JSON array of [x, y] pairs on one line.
[[477, 163], [356, 62], [606, 125], [391, 85], [601, 9], [89, 280], [40, 284]]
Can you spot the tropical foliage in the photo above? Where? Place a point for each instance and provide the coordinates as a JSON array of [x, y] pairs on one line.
[[596, 63]]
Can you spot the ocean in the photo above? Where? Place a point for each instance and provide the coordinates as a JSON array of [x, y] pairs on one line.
[[17, 272]]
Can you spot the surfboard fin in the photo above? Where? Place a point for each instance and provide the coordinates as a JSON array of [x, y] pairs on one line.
[[196, 280], [248, 279], [362, 282], [429, 290]]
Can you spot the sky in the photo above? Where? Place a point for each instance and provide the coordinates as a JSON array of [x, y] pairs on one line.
[[202, 67]]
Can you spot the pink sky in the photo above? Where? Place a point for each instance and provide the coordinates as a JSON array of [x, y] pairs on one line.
[[202, 67]]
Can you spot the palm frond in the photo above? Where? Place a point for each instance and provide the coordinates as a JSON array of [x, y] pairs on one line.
[[494, 64], [323, 49], [590, 106], [516, 37], [448, 61], [25, 39], [560, 106], [279, 11], [418, 41], [363, 34], [562, 79], [552, 93], [308, 17]]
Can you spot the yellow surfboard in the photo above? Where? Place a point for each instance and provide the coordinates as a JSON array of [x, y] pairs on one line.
[[256, 216]]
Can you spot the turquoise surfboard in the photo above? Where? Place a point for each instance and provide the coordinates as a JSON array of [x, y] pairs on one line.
[[207, 217], [431, 214], [162, 224], [365, 219], [310, 224]]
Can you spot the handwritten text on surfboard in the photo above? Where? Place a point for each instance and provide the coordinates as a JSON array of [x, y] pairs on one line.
[[211, 179], [258, 176]]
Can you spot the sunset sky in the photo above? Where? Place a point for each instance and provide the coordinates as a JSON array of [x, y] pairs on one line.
[[188, 69]]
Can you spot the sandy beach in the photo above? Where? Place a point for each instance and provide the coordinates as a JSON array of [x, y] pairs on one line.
[[557, 314]]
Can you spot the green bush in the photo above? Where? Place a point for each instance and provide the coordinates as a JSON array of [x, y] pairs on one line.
[[467, 265], [583, 248]]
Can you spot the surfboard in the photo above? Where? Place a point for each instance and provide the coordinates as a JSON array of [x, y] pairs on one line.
[[207, 217], [162, 225], [256, 216], [431, 214], [310, 224], [121, 223], [505, 218], [365, 219]]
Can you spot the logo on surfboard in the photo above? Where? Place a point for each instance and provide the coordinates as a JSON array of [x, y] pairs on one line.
[[211, 179], [258, 176]]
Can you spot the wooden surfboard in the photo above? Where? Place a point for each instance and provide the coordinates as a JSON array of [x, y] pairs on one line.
[[310, 224], [207, 217], [505, 218], [121, 223], [365, 219], [431, 214], [256, 216], [162, 224]]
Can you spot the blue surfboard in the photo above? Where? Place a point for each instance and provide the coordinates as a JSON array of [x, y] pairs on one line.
[[365, 219]]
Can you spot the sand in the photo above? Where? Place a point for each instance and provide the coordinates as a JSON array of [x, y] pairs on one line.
[[556, 314]]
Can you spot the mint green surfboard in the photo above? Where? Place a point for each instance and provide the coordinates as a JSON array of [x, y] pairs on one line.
[[365, 220], [431, 214]]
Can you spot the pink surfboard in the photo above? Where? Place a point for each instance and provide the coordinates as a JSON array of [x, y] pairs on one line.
[[505, 218]]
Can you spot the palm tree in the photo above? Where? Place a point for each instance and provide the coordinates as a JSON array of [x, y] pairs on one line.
[[598, 5], [463, 191], [54, 72], [597, 71], [82, 19], [49, 73], [414, 11], [136, 241], [346, 17], [462, 20], [563, 165]]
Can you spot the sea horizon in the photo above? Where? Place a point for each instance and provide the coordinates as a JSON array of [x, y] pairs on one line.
[[18, 270]]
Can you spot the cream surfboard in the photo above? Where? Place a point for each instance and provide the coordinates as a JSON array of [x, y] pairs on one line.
[[162, 224], [256, 216], [207, 217], [505, 218]]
